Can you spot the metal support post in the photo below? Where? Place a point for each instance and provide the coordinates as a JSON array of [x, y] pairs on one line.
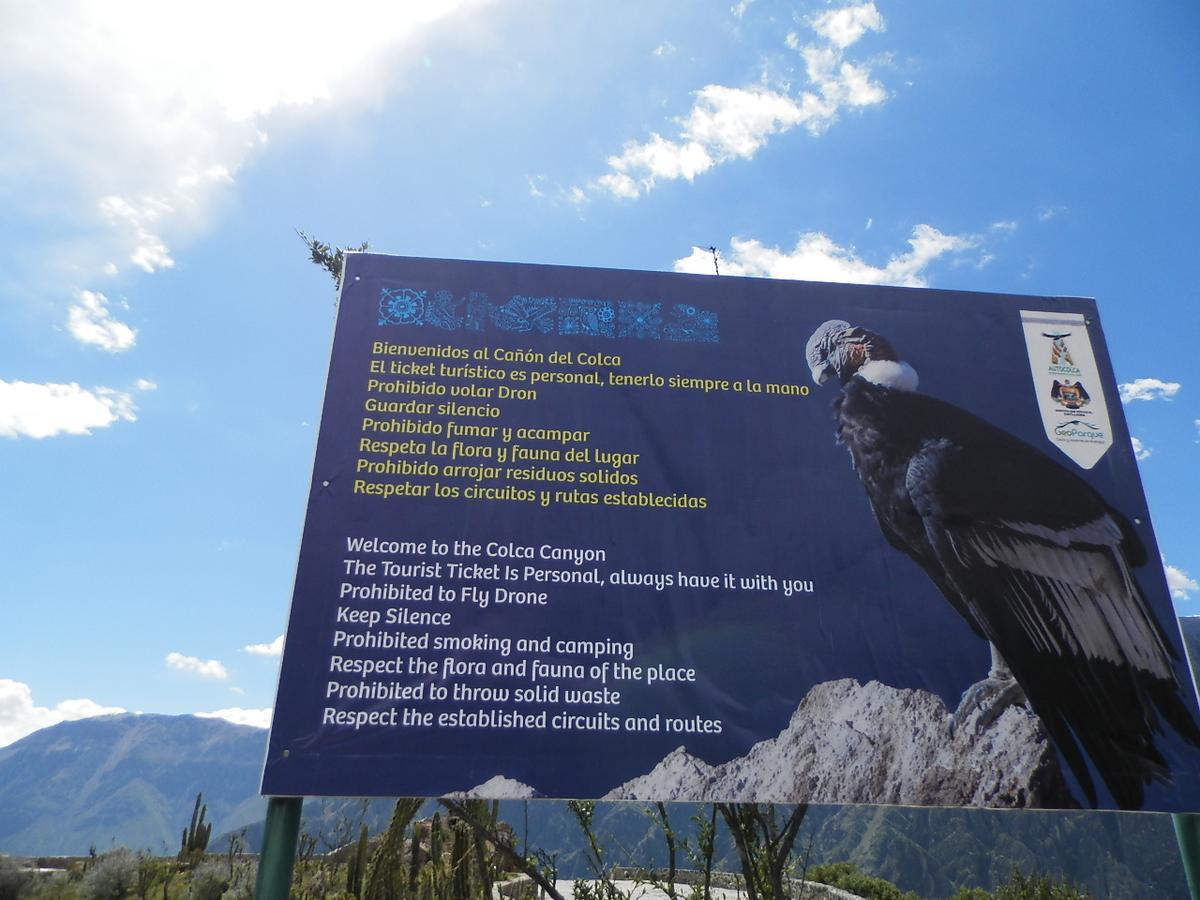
[[278, 855], [1187, 833]]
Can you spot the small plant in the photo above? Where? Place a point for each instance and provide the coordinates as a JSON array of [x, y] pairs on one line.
[[110, 876], [306, 869], [237, 846], [603, 888], [764, 846], [328, 257], [1020, 886], [13, 882], [846, 876], [209, 881], [701, 855], [664, 822], [148, 869], [244, 880]]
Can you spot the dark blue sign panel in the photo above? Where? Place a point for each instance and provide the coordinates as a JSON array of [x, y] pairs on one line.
[[595, 533]]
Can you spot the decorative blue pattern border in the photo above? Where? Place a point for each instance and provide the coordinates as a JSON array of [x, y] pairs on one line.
[[569, 316]]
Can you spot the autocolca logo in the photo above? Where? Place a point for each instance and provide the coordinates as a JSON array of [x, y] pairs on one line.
[[1061, 362]]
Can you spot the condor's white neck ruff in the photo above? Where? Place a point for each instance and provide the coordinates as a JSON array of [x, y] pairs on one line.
[[899, 376]]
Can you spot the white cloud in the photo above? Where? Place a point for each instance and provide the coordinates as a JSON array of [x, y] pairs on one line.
[[842, 27], [90, 322], [275, 648], [136, 219], [618, 184], [1046, 213], [1179, 582], [258, 718], [739, 8], [735, 122], [19, 716], [1148, 389], [1140, 450], [666, 48], [46, 410], [1004, 227], [138, 114], [210, 668], [728, 123], [143, 385], [817, 258], [840, 83]]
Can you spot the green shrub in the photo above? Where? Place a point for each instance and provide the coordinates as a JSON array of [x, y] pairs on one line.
[[210, 880], [1020, 886], [13, 882], [846, 876], [111, 877], [244, 876]]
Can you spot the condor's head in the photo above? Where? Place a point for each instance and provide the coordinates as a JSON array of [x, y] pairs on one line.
[[848, 351]]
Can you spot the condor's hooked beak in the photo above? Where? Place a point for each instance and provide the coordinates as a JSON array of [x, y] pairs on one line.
[[822, 373]]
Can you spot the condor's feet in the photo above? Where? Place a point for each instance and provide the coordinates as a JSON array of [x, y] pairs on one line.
[[985, 701]]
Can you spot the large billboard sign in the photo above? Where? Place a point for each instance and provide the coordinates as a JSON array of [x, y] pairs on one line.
[[597, 533]]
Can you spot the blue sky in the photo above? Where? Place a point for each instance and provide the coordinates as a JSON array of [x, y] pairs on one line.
[[163, 339]]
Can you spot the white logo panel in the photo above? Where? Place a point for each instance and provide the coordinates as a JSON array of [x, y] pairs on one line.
[[1067, 380]]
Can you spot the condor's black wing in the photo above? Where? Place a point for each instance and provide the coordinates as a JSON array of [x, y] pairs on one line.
[[1043, 568]]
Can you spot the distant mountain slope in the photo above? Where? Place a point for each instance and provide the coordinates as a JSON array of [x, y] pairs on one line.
[[131, 780], [127, 780]]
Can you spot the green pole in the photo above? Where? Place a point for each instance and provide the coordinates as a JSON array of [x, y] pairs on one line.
[[1187, 833], [278, 855]]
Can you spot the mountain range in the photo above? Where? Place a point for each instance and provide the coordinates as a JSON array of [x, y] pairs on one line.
[[131, 780], [126, 780]]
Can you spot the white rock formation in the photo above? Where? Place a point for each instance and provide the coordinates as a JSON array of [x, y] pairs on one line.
[[854, 743], [498, 787]]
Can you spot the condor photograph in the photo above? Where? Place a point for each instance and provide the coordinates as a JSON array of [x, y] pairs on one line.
[[1032, 557]]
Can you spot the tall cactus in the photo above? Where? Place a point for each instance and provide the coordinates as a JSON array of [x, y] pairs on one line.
[[358, 864], [460, 863], [436, 879], [445, 858], [435, 839], [414, 858], [498, 844], [196, 835], [488, 815], [386, 878], [425, 884]]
